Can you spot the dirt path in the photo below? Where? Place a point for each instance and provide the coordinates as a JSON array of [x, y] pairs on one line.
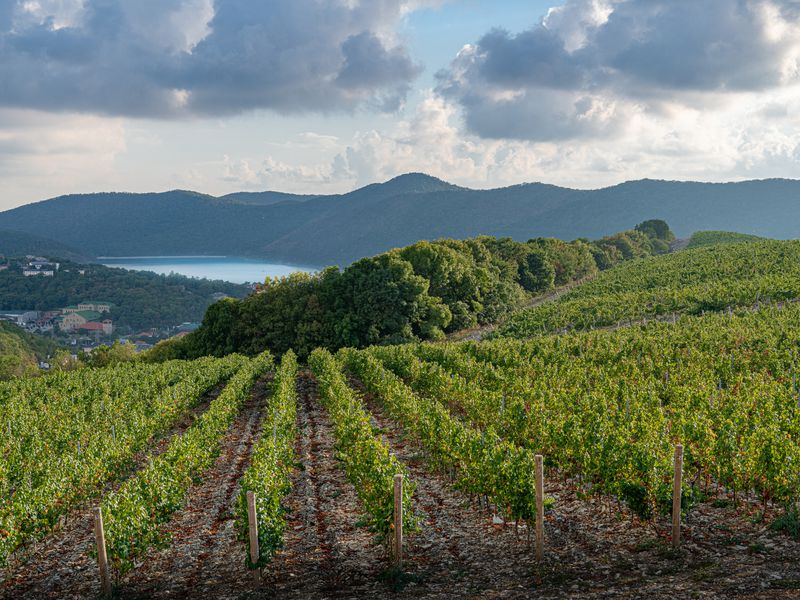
[[325, 554], [59, 566], [205, 559], [476, 334]]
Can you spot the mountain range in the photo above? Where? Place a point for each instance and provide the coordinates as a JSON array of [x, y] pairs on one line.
[[317, 230]]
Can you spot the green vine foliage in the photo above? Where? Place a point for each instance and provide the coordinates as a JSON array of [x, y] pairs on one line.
[[366, 458], [608, 406], [135, 514], [67, 434], [271, 465], [484, 463]]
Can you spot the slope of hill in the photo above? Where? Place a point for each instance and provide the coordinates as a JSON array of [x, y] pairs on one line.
[[141, 299], [19, 243], [342, 228], [694, 281], [19, 351], [714, 238]]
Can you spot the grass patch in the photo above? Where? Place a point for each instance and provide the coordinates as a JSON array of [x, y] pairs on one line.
[[396, 579], [788, 522]]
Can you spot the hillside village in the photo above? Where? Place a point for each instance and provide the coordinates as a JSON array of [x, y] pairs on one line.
[[84, 325]]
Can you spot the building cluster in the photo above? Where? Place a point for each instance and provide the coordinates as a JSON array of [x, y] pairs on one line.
[[93, 316], [37, 266], [89, 316]]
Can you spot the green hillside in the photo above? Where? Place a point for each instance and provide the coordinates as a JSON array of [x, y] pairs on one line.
[[19, 351], [714, 238], [710, 278], [141, 299]]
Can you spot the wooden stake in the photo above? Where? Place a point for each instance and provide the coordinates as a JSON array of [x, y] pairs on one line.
[[539, 507], [398, 521], [676, 497], [102, 557], [253, 526]]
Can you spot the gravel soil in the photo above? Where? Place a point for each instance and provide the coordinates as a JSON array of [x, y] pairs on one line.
[[59, 566], [326, 555], [205, 559]]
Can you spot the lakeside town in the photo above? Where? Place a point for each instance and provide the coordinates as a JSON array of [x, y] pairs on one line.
[[84, 326]]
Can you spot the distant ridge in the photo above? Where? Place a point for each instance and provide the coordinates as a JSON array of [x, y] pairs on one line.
[[340, 228], [19, 243]]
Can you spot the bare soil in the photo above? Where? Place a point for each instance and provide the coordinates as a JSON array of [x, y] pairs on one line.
[[205, 558], [326, 554], [59, 566]]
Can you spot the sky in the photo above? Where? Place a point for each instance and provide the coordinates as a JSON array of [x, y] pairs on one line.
[[323, 96]]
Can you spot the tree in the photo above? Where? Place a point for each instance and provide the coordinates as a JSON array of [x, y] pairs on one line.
[[572, 261], [535, 271], [105, 356], [219, 333], [380, 300], [656, 229]]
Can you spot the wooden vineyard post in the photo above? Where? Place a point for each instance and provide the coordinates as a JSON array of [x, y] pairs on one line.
[[539, 507], [102, 557], [253, 528], [676, 497], [398, 521]]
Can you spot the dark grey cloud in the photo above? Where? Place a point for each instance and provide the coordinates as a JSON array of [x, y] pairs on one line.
[[146, 59], [631, 55]]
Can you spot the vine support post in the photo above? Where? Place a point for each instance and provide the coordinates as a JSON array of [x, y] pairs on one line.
[[676, 497], [102, 556], [252, 522], [539, 507], [398, 521]]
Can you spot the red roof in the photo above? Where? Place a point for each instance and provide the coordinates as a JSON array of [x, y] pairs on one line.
[[91, 326]]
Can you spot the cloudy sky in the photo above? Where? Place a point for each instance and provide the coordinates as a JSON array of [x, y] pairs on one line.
[[328, 95]]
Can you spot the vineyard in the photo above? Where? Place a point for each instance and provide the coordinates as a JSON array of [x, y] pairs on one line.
[[249, 477], [690, 282]]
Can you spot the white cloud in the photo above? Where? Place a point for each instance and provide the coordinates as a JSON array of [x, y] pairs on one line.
[[591, 66], [742, 139], [178, 58], [46, 155]]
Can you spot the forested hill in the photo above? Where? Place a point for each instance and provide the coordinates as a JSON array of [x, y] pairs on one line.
[[338, 229], [18, 243], [141, 299]]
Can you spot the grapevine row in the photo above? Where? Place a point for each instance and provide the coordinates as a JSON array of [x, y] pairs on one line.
[[134, 514], [71, 433], [367, 461], [687, 282], [271, 463], [484, 465], [610, 405]]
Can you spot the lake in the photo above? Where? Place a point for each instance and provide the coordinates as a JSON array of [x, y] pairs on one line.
[[227, 268]]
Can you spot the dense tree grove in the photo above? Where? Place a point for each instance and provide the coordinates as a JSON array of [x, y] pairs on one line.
[[418, 292]]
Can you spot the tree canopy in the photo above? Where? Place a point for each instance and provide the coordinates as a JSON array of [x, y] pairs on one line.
[[417, 292]]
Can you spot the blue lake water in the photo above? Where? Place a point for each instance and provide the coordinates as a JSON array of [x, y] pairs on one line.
[[227, 268]]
